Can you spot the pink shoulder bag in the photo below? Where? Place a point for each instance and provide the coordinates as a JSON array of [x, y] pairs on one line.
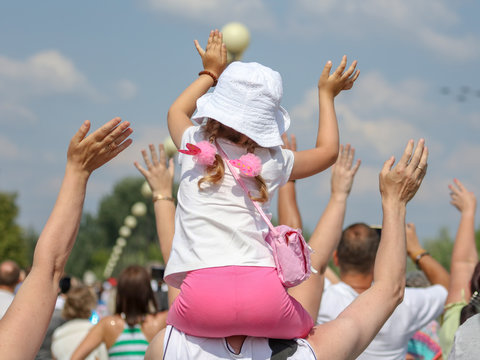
[[290, 251]]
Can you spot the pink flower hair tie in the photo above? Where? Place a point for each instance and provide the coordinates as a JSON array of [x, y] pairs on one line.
[[249, 165], [203, 152]]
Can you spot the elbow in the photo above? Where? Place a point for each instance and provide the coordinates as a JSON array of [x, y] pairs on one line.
[[398, 291]]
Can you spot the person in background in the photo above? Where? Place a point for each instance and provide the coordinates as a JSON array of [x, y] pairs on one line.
[[32, 307], [77, 310], [135, 322], [464, 268], [9, 278]]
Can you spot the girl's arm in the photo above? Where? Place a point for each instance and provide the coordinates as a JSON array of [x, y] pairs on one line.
[[214, 60], [312, 161]]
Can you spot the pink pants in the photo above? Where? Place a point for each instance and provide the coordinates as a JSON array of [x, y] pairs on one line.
[[238, 300]]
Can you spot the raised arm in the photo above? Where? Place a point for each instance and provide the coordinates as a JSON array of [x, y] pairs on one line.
[[328, 231], [433, 270], [324, 154], [288, 211], [33, 305], [348, 335], [464, 254], [214, 59]]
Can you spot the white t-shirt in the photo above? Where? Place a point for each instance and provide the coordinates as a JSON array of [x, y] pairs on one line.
[[219, 226], [419, 307], [179, 346], [6, 298], [68, 336]]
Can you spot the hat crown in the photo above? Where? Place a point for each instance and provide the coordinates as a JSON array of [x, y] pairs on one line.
[[247, 99]]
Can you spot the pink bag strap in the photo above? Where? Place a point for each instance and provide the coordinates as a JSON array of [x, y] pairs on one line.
[[244, 187]]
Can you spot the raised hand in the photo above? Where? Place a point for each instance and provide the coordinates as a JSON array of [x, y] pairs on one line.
[[461, 198], [214, 57], [89, 153], [158, 175], [290, 144], [333, 84], [343, 171], [413, 244], [401, 182]]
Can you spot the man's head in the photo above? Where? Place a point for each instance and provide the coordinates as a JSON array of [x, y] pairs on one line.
[[357, 249], [9, 274]]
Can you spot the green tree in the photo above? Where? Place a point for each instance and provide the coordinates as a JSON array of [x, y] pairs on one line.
[[12, 241], [98, 234]]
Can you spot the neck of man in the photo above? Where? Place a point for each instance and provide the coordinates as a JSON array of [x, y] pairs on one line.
[[357, 281]]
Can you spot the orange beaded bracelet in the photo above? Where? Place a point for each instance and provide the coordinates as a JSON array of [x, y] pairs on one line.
[[209, 73]]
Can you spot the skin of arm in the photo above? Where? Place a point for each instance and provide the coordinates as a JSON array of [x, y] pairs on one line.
[[328, 231], [312, 161], [214, 59], [464, 254], [432, 269], [160, 178], [348, 335], [35, 301], [288, 211]]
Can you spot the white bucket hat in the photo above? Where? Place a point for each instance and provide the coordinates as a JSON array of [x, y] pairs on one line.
[[247, 99]]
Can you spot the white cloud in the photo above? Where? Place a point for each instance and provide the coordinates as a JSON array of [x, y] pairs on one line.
[[253, 13], [377, 115], [8, 150], [45, 73], [10, 112], [424, 22], [126, 89]]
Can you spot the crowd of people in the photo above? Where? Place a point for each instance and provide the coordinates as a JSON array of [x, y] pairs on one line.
[[226, 300]]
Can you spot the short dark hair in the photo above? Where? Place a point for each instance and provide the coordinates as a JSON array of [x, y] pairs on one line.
[[135, 297], [9, 273], [357, 248]]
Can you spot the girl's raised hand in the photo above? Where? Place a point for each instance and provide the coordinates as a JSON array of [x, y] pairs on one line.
[[340, 79], [214, 57]]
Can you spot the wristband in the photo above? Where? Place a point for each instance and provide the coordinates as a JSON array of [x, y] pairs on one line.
[[162, 197], [419, 256], [209, 73]]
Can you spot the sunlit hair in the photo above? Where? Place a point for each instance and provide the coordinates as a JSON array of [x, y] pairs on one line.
[[214, 173], [79, 303], [135, 297], [473, 307]]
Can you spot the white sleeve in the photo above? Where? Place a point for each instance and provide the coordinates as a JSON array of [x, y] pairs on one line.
[[288, 158], [424, 304]]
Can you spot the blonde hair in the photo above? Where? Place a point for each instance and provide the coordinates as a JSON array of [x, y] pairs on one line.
[[79, 304], [214, 173]]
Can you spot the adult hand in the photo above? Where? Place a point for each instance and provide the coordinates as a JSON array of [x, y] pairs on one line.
[[401, 182], [214, 57], [289, 144], [332, 84], [86, 154], [343, 171], [461, 198], [413, 244], [158, 175]]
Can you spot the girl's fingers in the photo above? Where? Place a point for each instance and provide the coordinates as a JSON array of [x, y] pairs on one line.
[[163, 157], [200, 50], [153, 153]]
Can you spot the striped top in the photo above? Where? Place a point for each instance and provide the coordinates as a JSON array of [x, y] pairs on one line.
[[130, 345]]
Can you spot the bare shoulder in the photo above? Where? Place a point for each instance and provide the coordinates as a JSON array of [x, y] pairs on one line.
[[153, 323], [155, 349]]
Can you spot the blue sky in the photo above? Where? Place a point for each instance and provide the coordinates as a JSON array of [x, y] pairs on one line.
[[62, 62]]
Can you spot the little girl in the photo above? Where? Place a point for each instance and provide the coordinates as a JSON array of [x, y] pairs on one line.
[[219, 258]]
